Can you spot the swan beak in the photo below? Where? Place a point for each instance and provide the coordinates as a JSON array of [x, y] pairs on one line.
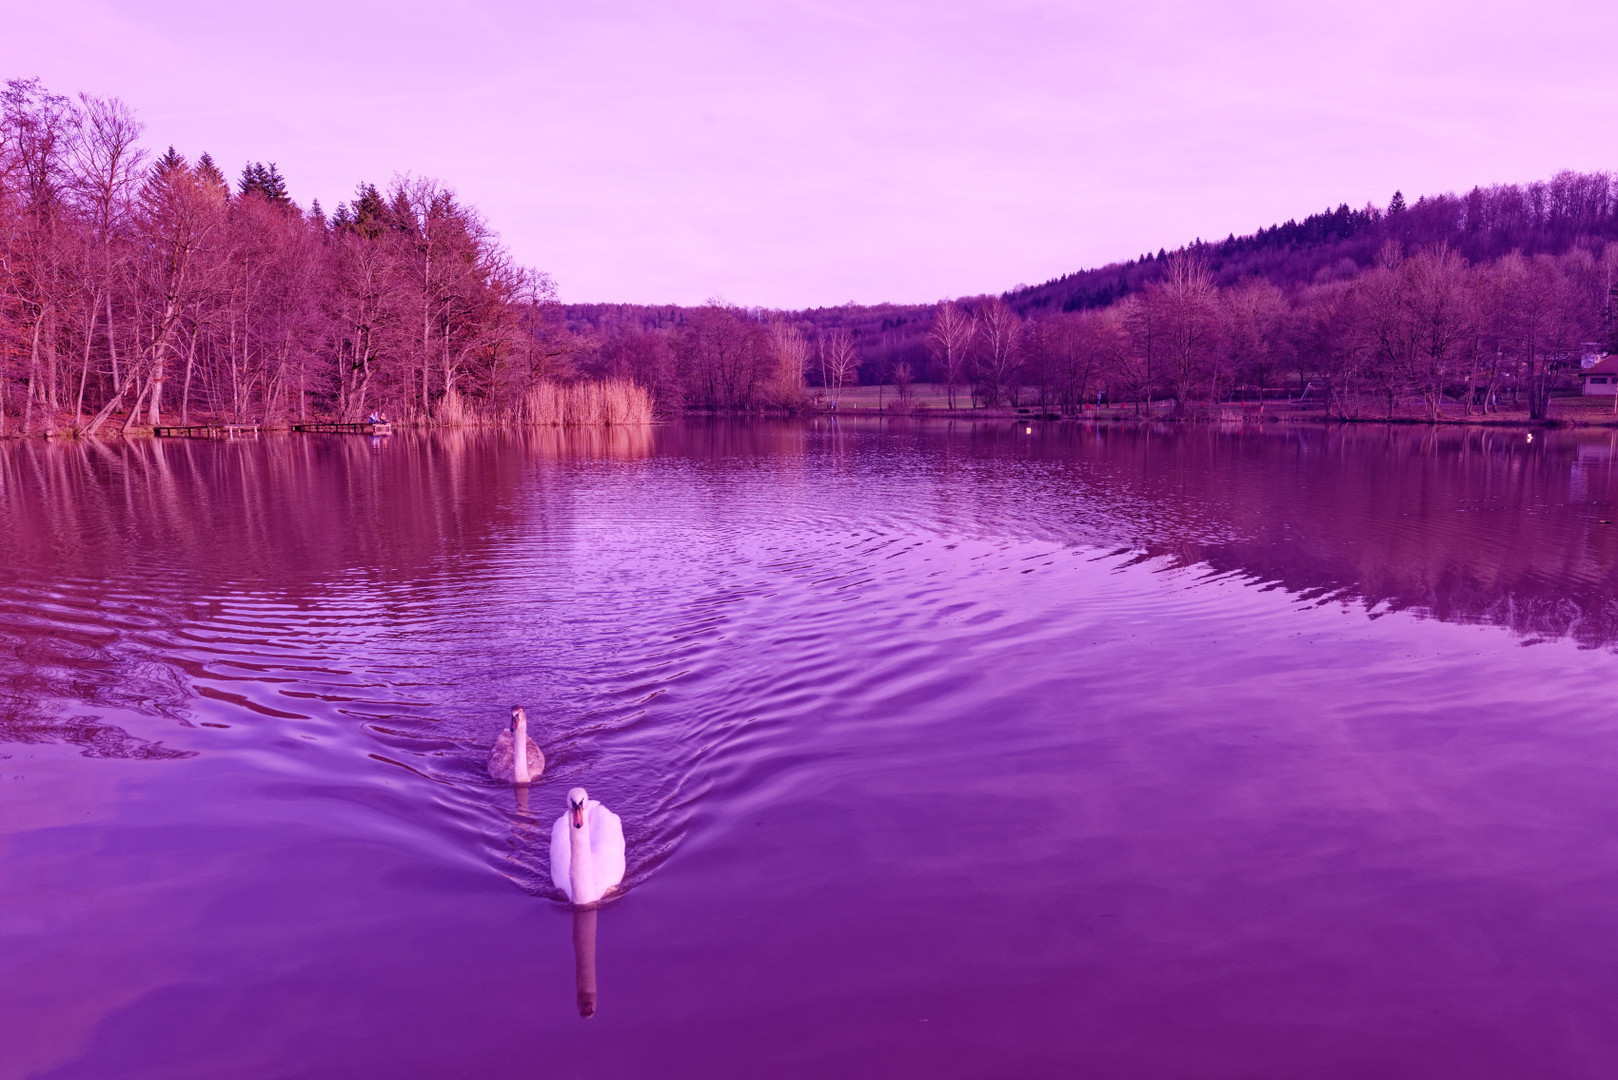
[[578, 815]]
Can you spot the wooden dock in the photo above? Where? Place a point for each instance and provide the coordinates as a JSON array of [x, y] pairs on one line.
[[361, 428], [205, 431]]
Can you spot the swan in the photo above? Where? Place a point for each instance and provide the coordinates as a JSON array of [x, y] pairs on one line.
[[508, 767], [587, 849]]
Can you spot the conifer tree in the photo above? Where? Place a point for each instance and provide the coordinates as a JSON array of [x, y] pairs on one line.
[[1397, 206], [207, 170], [172, 161], [211, 176], [266, 180]]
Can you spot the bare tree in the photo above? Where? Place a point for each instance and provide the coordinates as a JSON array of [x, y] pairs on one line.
[[1389, 325], [839, 363], [951, 342], [999, 332], [1185, 300], [786, 382], [904, 377], [725, 357], [1089, 346], [1252, 342]]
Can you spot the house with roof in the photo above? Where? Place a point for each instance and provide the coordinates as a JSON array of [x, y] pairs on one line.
[[1601, 378]]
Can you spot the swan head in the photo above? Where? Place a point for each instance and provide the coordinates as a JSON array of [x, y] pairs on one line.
[[519, 718], [575, 806]]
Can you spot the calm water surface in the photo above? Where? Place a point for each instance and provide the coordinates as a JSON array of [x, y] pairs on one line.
[[945, 752]]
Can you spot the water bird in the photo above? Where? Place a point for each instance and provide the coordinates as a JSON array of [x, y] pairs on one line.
[[587, 849], [509, 767]]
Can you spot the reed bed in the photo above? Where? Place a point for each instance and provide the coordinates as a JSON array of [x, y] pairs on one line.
[[586, 404]]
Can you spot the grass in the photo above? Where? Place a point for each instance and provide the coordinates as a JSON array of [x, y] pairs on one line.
[[592, 404]]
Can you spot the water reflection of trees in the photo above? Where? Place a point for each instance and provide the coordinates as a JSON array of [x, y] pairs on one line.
[[110, 549], [1462, 525], [107, 551]]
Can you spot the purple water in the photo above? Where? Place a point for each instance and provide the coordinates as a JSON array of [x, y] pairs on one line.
[[941, 751]]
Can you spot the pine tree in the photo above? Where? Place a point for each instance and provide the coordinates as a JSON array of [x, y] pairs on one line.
[[275, 185], [211, 175], [370, 211], [266, 180], [170, 162], [1397, 206]]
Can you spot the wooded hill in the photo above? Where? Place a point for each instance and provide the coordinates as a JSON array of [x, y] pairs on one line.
[[1335, 245], [1546, 217]]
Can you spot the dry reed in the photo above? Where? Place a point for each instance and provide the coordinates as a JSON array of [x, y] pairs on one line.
[[614, 401]]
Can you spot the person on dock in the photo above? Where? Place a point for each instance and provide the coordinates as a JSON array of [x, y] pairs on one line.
[[373, 418]]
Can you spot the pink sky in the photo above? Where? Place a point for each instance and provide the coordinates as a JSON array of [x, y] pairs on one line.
[[792, 154]]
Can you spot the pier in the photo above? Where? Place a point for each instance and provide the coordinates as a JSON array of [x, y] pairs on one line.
[[205, 431], [361, 428]]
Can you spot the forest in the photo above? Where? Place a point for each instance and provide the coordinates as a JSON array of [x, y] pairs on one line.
[[1449, 306], [141, 288]]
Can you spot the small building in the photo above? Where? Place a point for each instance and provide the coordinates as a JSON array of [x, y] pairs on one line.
[[1601, 378]]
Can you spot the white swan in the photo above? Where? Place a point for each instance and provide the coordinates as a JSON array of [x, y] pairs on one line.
[[509, 767], [587, 849]]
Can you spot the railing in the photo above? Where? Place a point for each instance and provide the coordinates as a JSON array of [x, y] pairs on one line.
[[205, 431]]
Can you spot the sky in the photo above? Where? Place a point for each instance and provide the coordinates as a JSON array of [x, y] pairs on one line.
[[804, 153]]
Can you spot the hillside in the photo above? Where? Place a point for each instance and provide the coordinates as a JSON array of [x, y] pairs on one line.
[[1546, 217], [1482, 225]]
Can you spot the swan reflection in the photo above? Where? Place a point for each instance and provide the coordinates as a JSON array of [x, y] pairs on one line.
[[584, 958]]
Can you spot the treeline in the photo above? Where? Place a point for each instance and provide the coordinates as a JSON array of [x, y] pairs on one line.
[[1545, 217], [137, 290], [1420, 330], [142, 290], [1424, 331], [1496, 297]]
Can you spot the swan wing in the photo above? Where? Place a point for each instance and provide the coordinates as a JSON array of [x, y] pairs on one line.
[[536, 758], [502, 764], [561, 857], [607, 845]]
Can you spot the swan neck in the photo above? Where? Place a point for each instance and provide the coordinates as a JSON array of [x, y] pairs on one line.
[[581, 861], [519, 751]]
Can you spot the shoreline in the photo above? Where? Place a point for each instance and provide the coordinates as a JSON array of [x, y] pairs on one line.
[[1229, 417]]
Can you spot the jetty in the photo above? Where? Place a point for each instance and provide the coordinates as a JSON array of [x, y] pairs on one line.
[[205, 431], [361, 428]]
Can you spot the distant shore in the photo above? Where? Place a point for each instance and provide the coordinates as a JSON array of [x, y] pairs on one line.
[[930, 403]]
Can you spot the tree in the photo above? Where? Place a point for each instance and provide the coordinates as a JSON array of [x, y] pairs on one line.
[[1252, 340], [36, 130], [998, 370], [106, 165], [1443, 314], [786, 383], [1185, 300], [903, 378], [950, 340], [725, 358], [1090, 346], [1389, 326], [839, 363], [257, 178]]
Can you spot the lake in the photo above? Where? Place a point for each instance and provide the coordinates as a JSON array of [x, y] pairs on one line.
[[943, 750]]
